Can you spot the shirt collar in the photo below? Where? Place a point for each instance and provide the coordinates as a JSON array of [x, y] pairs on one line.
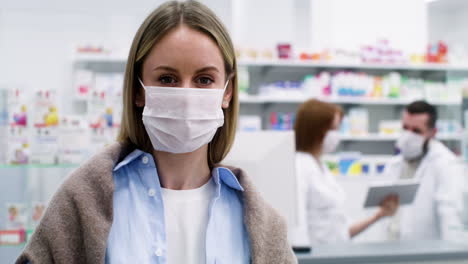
[[129, 158], [225, 175], [228, 178]]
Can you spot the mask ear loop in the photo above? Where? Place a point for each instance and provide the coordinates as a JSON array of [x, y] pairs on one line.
[[229, 77], [224, 91], [226, 85], [141, 82]]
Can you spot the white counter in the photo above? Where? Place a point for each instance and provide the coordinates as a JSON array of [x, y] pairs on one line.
[[389, 252]]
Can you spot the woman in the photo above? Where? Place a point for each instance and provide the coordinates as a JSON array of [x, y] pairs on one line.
[[158, 196], [321, 199]]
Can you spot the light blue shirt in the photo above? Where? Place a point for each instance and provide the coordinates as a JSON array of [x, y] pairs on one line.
[[138, 233]]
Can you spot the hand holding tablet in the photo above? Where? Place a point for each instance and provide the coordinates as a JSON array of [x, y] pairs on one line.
[[378, 193]]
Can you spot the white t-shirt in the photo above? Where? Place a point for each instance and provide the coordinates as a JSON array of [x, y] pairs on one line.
[[186, 214]]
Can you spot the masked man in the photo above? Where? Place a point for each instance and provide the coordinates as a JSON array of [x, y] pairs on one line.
[[436, 210]]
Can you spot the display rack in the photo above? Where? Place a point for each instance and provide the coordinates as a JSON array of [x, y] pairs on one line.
[[107, 58], [334, 65], [253, 103], [256, 99], [379, 137]]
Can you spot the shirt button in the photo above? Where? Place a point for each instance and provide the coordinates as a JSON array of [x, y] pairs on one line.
[[158, 252], [151, 192], [145, 160]]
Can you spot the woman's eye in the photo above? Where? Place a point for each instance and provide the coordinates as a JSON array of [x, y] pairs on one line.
[[205, 81], [167, 80]]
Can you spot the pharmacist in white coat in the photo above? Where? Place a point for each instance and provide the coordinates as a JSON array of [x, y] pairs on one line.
[[436, 211], [321, 200]]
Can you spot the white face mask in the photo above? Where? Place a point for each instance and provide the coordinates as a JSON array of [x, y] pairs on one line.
[[181, 120], [331, 141], [410, 145]]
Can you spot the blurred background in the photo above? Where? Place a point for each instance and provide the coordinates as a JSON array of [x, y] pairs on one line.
[[62, 63]]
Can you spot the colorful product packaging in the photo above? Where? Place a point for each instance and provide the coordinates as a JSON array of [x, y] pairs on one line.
[[44, 144], [18, 145], [16, 216], [73, 140]]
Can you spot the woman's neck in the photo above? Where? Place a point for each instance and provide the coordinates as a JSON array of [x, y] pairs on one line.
[[317, 154], [183, 171]]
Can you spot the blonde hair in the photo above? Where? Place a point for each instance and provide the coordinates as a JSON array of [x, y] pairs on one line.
[[161, 21]]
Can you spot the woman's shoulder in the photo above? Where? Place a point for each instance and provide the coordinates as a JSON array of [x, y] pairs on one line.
[[252, 198], [305, 158], [264, 224], [80, 208], [95, 175], [251, 195], [307, 166], [90, 187]]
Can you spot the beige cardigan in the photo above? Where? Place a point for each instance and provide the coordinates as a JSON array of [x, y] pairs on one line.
[[78, 219]]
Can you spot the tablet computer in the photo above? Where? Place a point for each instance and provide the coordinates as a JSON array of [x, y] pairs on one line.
[[376, 193]]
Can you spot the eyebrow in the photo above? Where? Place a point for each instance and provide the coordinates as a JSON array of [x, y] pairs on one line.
[[208, 68], [167, 68]]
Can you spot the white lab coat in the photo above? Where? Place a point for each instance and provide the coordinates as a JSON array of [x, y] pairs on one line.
[[321, 215], [436, 211]]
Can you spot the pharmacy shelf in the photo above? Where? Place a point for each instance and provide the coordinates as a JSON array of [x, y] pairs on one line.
[[99, 58], [252, 99], [371, 137], [307, 64], [379, 137], [108, 58]]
